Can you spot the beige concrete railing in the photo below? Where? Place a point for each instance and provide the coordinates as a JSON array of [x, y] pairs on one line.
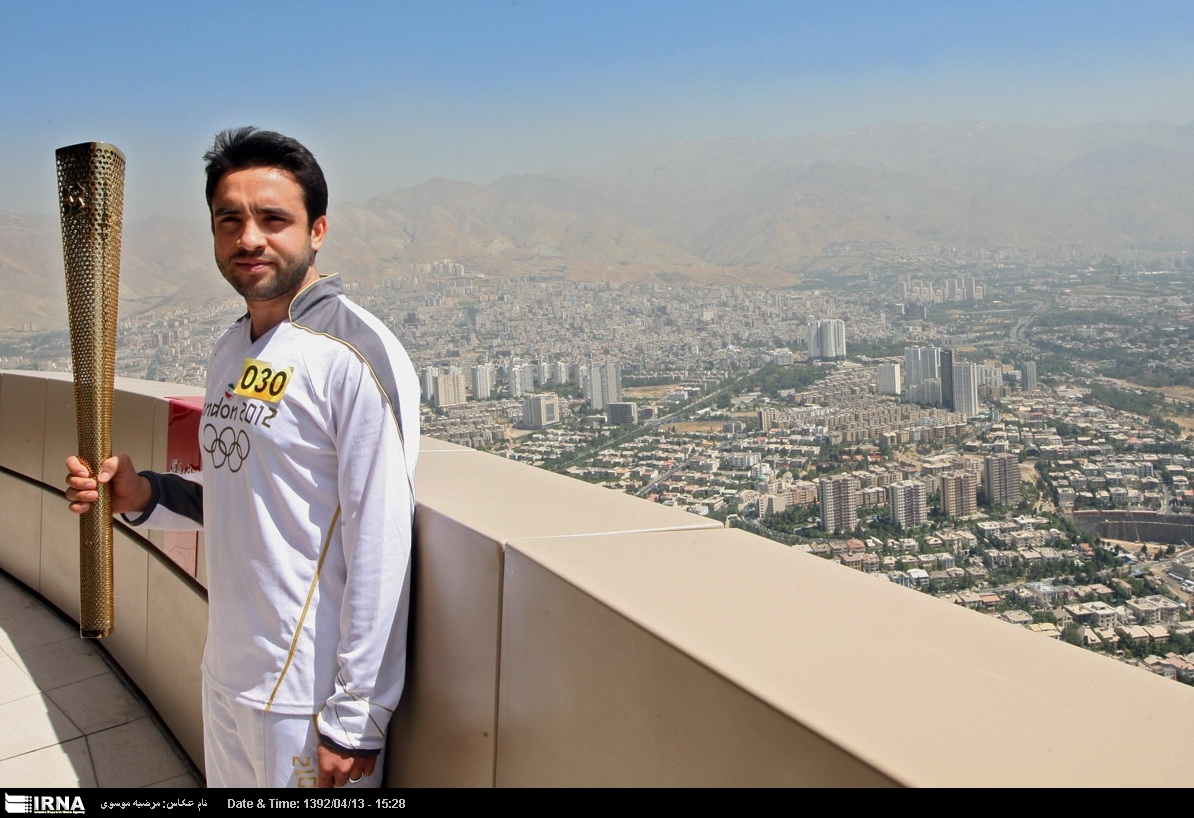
[[569, 635]]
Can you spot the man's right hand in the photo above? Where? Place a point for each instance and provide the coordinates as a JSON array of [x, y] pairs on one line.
[[130, 491]]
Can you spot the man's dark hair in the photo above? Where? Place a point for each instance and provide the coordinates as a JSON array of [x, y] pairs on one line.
[[242, 148]]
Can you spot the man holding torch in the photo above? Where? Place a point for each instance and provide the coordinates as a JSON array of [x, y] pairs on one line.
[[309, 437]]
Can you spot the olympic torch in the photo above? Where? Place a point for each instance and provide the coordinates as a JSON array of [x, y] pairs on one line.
[[91, 198]]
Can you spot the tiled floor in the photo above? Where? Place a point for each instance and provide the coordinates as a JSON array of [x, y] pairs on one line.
[[67, 719]]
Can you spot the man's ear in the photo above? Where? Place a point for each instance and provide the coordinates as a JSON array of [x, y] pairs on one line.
[[319, 229]]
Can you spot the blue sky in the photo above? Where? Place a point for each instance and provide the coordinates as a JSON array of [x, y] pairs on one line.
[[389, 94]]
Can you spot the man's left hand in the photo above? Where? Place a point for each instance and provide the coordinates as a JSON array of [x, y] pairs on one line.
[[337, 769]]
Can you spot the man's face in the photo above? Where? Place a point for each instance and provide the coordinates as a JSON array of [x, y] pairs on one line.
[[264, 246]]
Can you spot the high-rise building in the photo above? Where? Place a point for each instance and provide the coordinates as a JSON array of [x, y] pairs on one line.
[[838, 497], [921, 363], [768, 418], [540, 411], [888, 379], [1028, 376], [965, 389], [520, 379], [990, 378], [451, 388], [482, 381], [603, 385], [906, 500], [928, 391], [947, 362], [959, 494], [827, 339], [1001, 476], [621, 413], [427, 381], [560, 373]]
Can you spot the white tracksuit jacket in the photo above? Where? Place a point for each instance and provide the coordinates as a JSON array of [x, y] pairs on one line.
[[309, 438]]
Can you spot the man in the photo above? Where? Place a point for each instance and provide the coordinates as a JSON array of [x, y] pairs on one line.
[[309, 434]]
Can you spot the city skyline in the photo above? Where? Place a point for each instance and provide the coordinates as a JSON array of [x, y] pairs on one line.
[[733, 425]]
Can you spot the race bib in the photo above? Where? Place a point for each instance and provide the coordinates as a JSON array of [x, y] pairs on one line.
[[263, 381]]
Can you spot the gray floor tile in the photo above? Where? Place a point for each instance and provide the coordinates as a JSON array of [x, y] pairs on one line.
[[63, 765], [32, 723], [98, 703], [56, 687], [14, 681], [62, 663], [32, 629], [133, 755], [14, 599]]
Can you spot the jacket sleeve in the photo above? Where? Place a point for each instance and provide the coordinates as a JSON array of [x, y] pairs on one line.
[[376, 509], [175, 504]]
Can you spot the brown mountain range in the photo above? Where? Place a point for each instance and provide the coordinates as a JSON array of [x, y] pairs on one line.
[[740, 210]]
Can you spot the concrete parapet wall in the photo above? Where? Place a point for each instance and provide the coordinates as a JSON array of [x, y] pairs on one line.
[[161, 613]]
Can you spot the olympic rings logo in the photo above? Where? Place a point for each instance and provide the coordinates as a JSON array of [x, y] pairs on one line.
[[227, 447]]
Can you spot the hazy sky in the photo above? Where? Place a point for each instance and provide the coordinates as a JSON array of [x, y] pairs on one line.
[[389, 94]]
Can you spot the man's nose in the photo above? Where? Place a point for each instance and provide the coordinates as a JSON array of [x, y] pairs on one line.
[[251, 236]]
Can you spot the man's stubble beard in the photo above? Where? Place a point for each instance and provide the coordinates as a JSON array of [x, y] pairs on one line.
[[287, 278]]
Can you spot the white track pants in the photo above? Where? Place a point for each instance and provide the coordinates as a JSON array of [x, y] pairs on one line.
[[247, 747]]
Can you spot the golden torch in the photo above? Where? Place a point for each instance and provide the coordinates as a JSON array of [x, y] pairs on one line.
[[91, 196]]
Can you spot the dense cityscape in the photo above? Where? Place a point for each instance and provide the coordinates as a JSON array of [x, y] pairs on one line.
[[1008, 431]]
